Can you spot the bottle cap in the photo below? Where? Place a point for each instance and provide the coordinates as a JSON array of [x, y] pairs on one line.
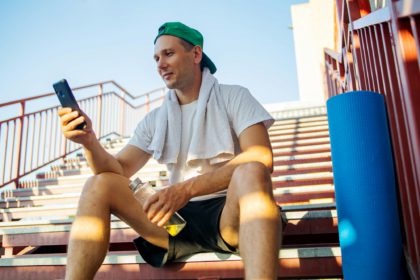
[[135, 183]]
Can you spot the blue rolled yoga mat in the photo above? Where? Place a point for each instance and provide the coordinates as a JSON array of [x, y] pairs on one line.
[[365, 187]]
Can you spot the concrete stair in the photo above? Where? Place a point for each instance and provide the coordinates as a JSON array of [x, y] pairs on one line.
[[36, 218]]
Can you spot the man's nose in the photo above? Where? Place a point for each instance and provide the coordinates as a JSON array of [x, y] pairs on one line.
[[161, 64]]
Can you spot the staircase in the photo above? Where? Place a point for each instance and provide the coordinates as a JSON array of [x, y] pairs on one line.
[[35, 219]]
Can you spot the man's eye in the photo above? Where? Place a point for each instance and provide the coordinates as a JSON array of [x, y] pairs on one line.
[[169, 53]]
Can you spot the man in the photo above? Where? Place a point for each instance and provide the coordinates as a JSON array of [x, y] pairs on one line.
[[214, 140]]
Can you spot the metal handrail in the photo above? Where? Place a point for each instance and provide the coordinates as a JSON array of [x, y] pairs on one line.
[[381, 52], [32, 140]]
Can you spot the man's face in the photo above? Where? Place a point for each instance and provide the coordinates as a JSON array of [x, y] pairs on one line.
[[174, 63]]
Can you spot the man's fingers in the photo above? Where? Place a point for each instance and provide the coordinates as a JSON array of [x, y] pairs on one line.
[[152, 199], [63, 111], [73, 124], [161, 212], [165, 218], [74, 133], [153, 210], [65, 119]]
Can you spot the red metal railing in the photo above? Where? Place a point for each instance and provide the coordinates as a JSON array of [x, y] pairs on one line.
[[31, 138], [379, 51]]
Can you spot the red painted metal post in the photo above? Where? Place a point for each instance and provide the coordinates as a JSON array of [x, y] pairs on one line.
[[99, 116], [18, 156]]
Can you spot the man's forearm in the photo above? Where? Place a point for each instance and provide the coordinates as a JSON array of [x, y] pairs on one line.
[[219, 179], [100, 160]]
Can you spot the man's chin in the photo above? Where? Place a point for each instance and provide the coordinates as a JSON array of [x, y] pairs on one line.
[[170, 85]]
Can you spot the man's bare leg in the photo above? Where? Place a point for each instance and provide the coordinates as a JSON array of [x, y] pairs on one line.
[[103, 195], [250, 220]]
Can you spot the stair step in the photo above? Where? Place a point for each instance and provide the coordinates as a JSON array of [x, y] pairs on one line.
[[298, 159], [312, 262], [78, 179], [299, 136], [302, 211], [301, 149], [69, 209], [147, 173], [38, 221], [299, 120], [311, 129], [301, 143], [304, 194], [314, 222], [281, 127]]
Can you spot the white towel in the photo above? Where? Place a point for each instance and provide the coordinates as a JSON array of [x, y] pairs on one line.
[[211, 137]]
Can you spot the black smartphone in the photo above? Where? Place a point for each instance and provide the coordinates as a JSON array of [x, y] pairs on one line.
[[66, 97]]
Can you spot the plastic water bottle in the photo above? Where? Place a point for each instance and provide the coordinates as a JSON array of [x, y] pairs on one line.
[[142, 191]]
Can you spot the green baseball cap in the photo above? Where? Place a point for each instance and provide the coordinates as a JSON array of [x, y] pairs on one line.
[[188, 34]]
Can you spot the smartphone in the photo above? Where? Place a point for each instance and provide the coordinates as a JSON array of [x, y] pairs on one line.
[[66, 97]]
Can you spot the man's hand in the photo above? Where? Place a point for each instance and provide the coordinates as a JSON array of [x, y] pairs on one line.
[[162, 205], [69, 120]]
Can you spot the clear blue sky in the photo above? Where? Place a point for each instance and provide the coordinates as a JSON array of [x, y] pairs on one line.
[[87, 41]]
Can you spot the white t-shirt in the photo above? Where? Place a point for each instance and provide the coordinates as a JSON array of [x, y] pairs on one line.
[[242, 110]]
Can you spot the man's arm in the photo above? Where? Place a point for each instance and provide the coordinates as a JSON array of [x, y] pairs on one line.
[[126, 162], [255, 146]]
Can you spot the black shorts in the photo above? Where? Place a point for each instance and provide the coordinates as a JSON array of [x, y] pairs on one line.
[[201, 234]]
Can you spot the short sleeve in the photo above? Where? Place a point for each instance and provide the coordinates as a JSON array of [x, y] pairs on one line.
[[243, 109], [143, 134]]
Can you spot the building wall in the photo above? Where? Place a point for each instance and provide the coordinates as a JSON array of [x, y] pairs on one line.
[[313, 30]]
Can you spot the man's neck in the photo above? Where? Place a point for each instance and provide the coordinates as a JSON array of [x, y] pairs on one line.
[[190, 94]]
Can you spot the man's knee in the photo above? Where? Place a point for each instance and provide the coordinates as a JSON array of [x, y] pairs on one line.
[[251, 176], [99, 186]]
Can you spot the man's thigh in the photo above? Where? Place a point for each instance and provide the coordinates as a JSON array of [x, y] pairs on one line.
[[112, 189]]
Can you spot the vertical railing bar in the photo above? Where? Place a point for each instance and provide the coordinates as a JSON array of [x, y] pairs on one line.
[[374, 58], [357, 57], [33, 141], [39, 138], [44, 150], [1, 169], [50, 135], [114, 115], [22, 156], [108, 109], [99, 113], [380, 57], [416, 34], [121, 119], [26, 143], [108, 119], [368, 62], [62, 146], [6, 150], [364, 62], [19, 144], [348, 76], [12, 150], [54, 133], [327, 65], [392, 45], [111, 122]]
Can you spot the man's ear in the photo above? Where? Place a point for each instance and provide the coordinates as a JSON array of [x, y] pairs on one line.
[[198, 54]]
